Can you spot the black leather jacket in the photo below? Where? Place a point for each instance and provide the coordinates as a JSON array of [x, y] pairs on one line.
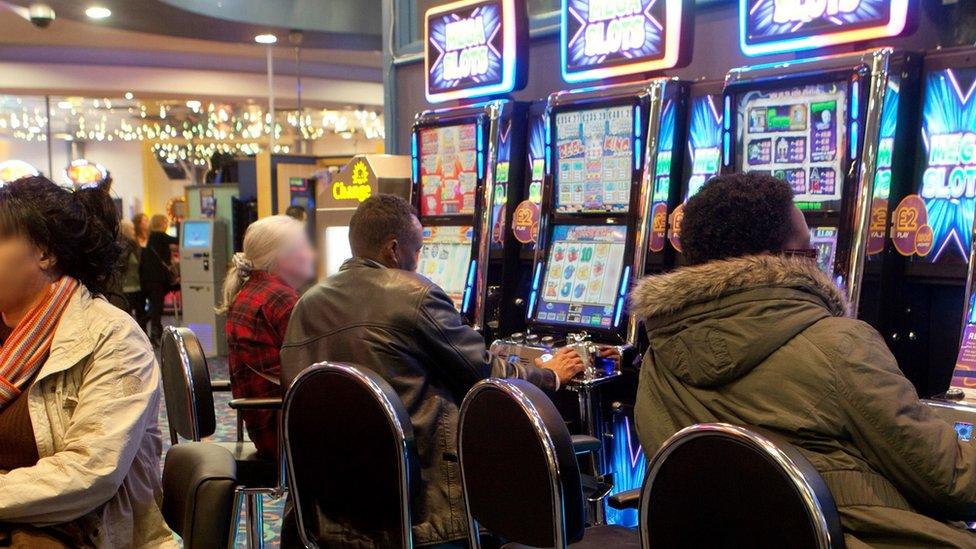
[[404, 327]]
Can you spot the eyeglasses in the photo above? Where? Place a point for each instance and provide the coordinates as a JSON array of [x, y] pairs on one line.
[[804, 253]]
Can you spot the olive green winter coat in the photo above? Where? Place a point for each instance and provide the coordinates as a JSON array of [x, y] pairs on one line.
[[765, 341]]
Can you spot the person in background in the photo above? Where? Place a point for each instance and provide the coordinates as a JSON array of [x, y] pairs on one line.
[[155, 275], [259, 295], [79, 389], [752, 333], [378, 313], [140, 223], [129, 265], [297, 212]]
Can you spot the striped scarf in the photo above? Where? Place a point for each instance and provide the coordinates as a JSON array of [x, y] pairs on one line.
[[24, 352]]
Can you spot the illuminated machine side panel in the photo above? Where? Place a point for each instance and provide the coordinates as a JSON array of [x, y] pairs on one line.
[[704, 142]]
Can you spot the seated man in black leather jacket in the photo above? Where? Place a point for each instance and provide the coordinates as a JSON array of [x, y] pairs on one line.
[[377, 312]]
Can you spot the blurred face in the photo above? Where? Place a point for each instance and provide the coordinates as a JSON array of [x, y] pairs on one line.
[[142, 224], [296, 264], [408, 252], [799, 234], [24, 272]]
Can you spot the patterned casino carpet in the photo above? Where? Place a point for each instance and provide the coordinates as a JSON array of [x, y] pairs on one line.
[[227, 431]]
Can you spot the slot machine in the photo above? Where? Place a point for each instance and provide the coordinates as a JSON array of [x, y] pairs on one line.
[[467, 160], [605, 202], [828, 126], [933, 227]]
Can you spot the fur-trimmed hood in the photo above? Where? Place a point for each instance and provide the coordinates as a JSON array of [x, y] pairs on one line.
[[715, 322], [669, 293]]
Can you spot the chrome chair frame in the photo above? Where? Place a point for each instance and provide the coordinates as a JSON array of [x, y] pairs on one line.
[[759, 442], [244, 497], [556, 489], [403, 455]]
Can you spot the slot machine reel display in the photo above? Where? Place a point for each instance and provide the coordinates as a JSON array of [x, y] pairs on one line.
[[822, 125]]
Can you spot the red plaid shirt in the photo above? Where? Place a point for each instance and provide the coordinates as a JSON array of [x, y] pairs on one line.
[[256, 323]]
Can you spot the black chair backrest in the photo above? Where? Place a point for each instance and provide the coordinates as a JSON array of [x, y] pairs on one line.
[[352, 465], [186, 384], [520, 475], [199, 480], [720, 485]]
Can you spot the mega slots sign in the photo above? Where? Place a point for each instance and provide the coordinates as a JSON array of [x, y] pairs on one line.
[[772, 26], [948, 184], [472, 49], [608, 38]]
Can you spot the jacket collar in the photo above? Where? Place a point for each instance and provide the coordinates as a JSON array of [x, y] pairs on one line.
[[72, 339], [355, 262], [667, 294]]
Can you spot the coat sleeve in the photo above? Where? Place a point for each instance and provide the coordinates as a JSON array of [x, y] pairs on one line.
[[117, 398], [458, 351], [914, 448]]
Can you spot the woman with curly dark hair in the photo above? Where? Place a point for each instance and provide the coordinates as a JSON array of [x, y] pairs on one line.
[[753, 333], [79, 459]]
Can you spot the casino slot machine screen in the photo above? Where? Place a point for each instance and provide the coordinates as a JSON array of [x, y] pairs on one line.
[[448, 170], [824, 240], [446, 257], [595, 152], [797, 134], [583, 272]]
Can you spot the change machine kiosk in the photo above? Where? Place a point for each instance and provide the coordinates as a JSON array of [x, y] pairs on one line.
[[464, 158], [341, 193], [612, 167], [203, 266]]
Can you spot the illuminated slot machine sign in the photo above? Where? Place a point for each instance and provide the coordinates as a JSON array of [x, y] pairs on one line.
[[471, 49], [703, 154], [603, 39], [774, 26]]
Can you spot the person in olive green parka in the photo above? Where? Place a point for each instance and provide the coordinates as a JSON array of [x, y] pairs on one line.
[[753, 333]]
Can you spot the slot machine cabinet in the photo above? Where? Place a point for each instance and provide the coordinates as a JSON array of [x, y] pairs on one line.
[[819, 124], [598, 234], [203, 267], [340, 193], [466, 186], [702, 150], [934, 228]]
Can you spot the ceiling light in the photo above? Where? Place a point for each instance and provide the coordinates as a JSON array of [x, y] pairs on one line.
[[65, 105], [265, 39], [193, 105], [98, 12], [128, 95]]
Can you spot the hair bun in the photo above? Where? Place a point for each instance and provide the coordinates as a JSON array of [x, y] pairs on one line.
[[243, 264]]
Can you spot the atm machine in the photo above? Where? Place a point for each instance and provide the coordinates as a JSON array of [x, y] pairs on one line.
[[203, 266], [339, 195]]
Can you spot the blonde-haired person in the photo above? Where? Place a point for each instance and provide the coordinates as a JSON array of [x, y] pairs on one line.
[[259, 295], [154, 272]]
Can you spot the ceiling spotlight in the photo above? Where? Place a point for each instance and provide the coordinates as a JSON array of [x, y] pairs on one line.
[[98, 12], [193, 105], [128, 95], [265, 39], [65, 105]]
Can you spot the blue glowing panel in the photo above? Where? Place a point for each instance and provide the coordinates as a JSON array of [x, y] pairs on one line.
[[948, 183], [770, 26], [628, 464], [603, 39], [502, 179], [470, 49], [878, 229], [583, 276], [704, 141], [537, 158], [665, 146]]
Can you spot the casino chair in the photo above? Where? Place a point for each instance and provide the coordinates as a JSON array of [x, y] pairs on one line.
[[199, 482], [190, 410], [351, 457], [519, 471], [720, 485]]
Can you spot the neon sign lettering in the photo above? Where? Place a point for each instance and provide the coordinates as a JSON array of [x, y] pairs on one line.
[[470, 49], [608, 38], [951, 171], [772, 26], [804, 11]]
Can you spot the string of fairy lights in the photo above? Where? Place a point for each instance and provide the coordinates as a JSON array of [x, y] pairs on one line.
[[184, 130]]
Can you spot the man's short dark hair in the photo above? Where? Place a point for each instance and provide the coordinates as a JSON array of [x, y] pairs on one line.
[[378, 219], [736, 215], [296, 212]]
